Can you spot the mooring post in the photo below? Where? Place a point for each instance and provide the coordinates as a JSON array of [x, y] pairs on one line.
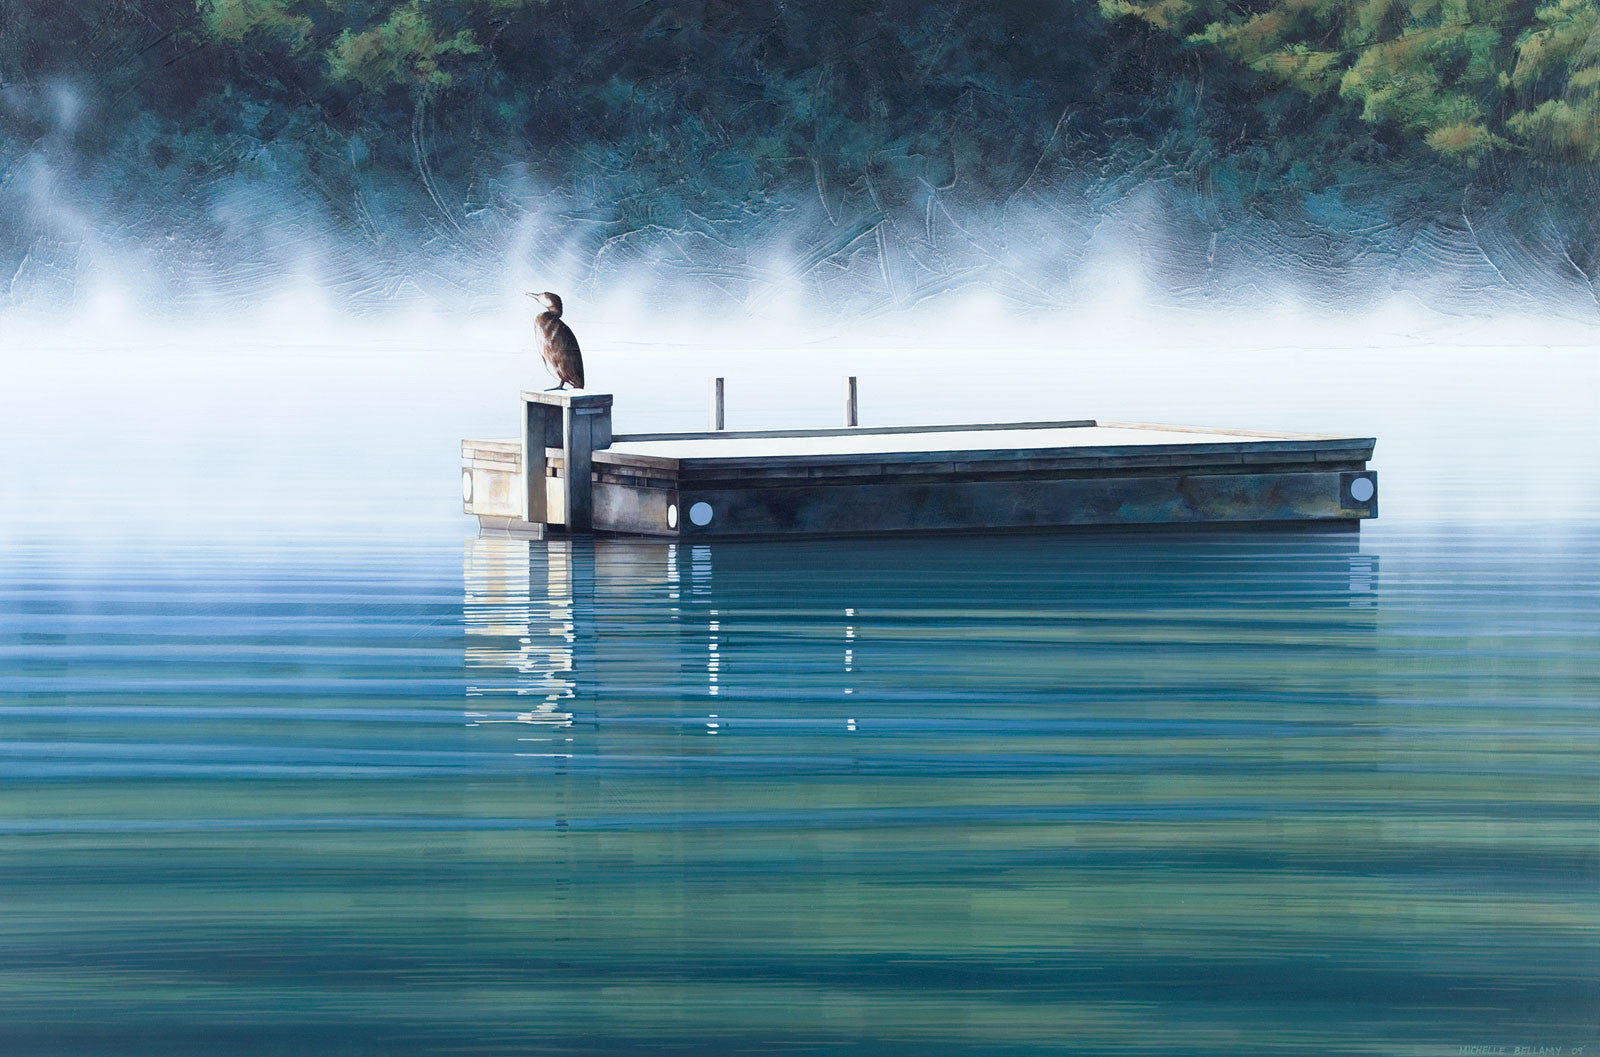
[[850, 401], [577, 422], [716, 403], [541, 429]]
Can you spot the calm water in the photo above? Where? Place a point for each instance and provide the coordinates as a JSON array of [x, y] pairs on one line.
[[291, 764], [1222, 794]]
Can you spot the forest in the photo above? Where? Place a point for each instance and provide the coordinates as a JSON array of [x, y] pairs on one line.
[[873, 154]]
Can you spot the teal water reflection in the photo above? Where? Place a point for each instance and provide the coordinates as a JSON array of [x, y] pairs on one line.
[[1280, 793]]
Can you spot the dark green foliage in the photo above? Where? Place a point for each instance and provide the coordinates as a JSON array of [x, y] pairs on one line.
[[943, 140]]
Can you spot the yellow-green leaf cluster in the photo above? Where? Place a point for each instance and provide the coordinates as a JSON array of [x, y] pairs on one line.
[[404, 49], [233, 20], [1467, 76], [1560, 59], [373, 45]]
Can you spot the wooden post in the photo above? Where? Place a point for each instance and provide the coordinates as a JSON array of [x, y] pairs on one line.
[[541, 429], [716, 403], [577, 422], [577, 480], [850, 401]]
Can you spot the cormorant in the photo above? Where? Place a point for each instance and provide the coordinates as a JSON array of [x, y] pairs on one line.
[[557, 344]]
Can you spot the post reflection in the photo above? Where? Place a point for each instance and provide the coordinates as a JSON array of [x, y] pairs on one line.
[[520, 637]]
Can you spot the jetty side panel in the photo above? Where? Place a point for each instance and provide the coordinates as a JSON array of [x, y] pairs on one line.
[[817, 483], [491, 478], [1010, 504], [491, 484], [635, 510]]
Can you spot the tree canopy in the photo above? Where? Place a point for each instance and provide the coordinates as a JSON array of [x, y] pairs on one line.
[[923, 141], [1468, 76]]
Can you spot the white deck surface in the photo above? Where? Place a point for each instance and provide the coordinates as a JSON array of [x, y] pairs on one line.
[[953, 441]]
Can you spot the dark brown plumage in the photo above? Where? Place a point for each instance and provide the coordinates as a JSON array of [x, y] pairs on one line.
[[557, 344]]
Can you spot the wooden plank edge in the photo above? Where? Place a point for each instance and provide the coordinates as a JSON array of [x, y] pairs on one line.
[[848, 431]]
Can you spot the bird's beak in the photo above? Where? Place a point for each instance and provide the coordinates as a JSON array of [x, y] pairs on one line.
[[533, 295]]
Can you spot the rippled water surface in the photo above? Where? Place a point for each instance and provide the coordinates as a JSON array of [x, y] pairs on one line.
[[292, 764], [1216, 794]]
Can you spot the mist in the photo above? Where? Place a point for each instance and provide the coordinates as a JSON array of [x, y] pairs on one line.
[[73, 239], [252, 285], [295, 423], [202, 161]]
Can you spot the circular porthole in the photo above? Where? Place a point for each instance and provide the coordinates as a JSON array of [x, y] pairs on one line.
[[672, 515], [1361, 489], [466, 486], [700, 513]]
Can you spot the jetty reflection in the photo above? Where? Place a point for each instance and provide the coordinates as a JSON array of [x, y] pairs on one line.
[[858, 636]]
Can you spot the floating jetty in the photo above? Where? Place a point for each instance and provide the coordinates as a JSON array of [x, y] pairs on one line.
[[569, 473]]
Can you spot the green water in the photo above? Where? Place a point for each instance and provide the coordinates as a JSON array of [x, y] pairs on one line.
[[1218, 794]]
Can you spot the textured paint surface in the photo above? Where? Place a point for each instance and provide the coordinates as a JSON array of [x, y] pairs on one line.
[[866, 157], [285, 772]]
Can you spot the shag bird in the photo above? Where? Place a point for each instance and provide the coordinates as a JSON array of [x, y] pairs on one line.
[[557, 344]]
